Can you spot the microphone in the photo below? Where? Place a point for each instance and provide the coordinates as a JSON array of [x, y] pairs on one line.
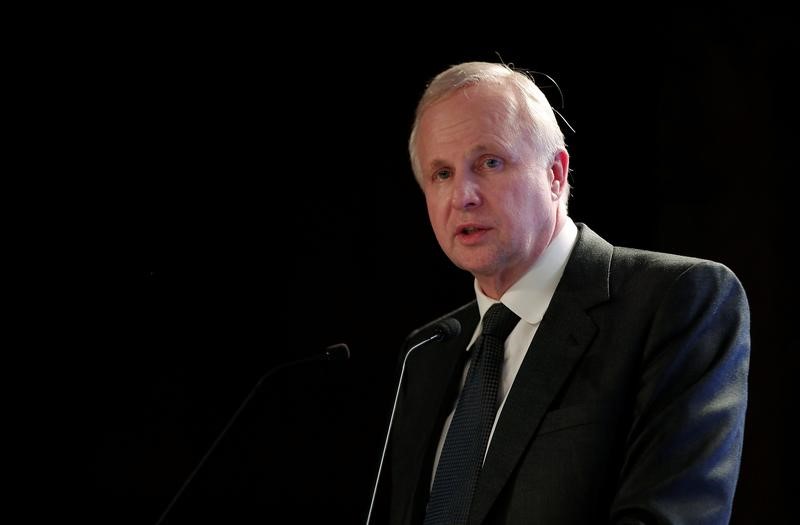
[[337, 352], [442, 331], [446, 329]]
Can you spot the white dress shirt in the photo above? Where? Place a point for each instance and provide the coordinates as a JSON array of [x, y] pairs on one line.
[[528, 298]]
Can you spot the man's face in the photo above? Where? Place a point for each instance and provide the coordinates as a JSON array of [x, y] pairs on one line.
[[492, 203]]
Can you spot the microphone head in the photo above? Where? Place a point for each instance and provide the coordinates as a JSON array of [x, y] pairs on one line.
[[447, 329], [337, 352]]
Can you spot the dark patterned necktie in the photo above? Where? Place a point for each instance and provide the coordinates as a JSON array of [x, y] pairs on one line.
[[465, 445]]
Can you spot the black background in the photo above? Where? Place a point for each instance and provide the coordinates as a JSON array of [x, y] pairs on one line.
[[261, 207]]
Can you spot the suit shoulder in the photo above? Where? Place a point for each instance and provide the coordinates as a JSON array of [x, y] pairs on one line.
[[632, 259], [634, 267]]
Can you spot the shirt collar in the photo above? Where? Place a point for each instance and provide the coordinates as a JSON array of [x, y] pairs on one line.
[[531, 294]]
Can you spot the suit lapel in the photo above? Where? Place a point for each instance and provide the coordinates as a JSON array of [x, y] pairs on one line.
[[563, 336]]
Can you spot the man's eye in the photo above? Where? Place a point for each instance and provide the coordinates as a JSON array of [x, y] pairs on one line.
[[441, 175], [492, 163]]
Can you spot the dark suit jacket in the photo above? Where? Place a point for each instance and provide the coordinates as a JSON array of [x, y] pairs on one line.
[[628, 407]]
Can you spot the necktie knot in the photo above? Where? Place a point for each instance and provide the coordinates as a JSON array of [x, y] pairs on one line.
[[499, 321]]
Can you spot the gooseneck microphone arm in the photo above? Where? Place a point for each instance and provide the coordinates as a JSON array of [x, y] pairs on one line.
[[444, 330], [335, 352]]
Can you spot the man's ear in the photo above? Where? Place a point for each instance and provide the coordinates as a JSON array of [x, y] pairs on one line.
[[559, 171]]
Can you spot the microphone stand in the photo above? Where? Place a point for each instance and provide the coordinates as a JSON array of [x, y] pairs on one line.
[[332, 353], [444, 330]]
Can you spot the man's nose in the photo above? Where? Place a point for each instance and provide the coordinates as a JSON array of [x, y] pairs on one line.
[[466, 192]]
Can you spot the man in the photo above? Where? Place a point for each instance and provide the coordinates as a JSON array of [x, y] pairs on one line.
[[620, 391]]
